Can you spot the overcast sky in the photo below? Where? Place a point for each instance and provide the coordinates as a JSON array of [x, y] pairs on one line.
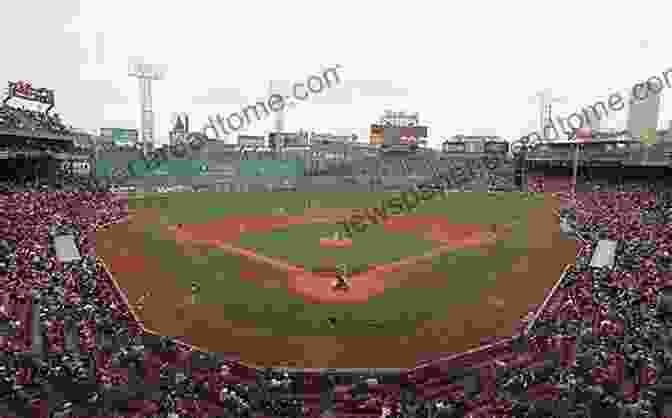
[[466, 67]]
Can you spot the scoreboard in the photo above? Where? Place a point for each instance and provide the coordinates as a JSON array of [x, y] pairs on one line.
[[24, 90], [397, 135]]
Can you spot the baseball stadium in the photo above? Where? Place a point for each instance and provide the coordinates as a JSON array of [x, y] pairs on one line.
[[328, 249], [287, 263]]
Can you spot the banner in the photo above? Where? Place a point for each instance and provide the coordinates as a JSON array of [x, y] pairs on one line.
[[120, 136], [272, 168], [404, 135], [142, 168], [176, 168], [291, 139], [77, 167], [24, 90], [332, 138], [251, 141]]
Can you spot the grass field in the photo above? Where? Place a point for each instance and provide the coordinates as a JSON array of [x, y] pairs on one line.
[[460, 207], [299, 245], [276, 312]]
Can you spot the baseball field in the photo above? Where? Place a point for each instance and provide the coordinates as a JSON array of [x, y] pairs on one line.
[[439, 278]]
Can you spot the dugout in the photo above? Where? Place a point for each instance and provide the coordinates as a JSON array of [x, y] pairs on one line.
[[33, 160]]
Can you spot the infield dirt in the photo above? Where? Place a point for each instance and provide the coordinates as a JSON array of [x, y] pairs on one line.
[[168, 309]]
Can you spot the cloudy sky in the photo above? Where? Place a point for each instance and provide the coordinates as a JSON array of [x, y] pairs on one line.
[[466, 67]]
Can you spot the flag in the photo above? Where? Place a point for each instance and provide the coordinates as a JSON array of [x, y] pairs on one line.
[[648, 136]]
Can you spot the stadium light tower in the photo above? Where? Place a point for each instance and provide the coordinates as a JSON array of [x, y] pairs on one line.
[[581, 136], [146, 73], [277, 87], [545, 99]]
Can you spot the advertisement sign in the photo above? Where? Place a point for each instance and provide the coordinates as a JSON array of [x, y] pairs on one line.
[[454, 147], [414, 131], [331, 138], [173, 189], [291, 139], [139, 168], [475, 146], [120, 136], [77, 167], [497, 147], [122, 189], [404, 135], [175, 168], [251, 141], [408, 136], [271, 168], [24, 90]]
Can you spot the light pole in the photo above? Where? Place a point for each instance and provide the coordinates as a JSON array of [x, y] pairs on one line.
[[544, 99], [581, 135], [519, 150], [146, 73]]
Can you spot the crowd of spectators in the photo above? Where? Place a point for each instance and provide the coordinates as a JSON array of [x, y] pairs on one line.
[[459, 174], [477, 174], [69, 345], [22, 118]]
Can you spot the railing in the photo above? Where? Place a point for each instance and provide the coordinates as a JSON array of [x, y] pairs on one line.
[[404, 167]]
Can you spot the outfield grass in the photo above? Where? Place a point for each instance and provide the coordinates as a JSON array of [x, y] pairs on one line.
[[460, 207], [276, 312], [207, 205]]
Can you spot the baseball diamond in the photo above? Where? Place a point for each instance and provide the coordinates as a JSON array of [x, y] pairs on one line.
[[438, 280]]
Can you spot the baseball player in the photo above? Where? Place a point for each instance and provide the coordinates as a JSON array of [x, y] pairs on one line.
[[341, 282], [195, 290]]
